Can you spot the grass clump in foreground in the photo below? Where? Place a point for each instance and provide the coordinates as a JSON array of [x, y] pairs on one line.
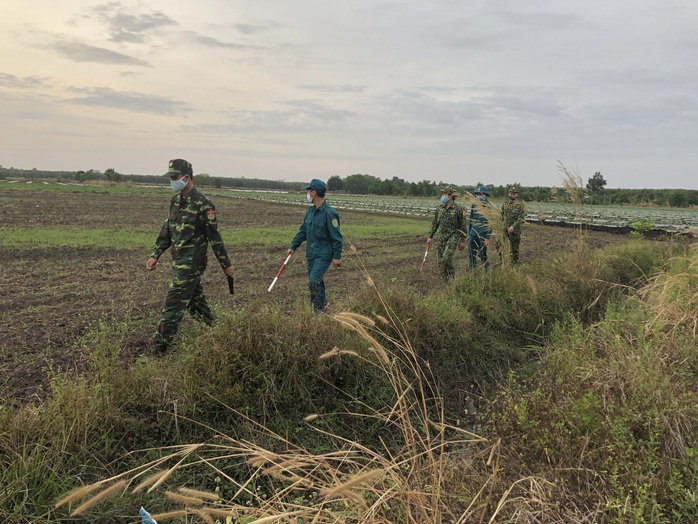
[[384, 411], [401, 478], [607, 420]]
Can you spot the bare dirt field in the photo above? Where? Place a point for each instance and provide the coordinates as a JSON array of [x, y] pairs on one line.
[[53, 296]]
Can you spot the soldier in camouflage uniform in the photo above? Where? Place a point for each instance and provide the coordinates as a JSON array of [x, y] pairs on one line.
[[513, 215], [449, 221], [188, 230], [479, 230]]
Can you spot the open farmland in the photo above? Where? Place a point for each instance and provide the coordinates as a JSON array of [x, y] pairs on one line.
[[663, 218], [72, 257], [579, 366]]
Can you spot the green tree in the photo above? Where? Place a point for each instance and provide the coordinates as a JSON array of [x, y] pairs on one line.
[[111, 175], [678, 198], [359, 184], [83, 176], [596, 183], [335, 183]]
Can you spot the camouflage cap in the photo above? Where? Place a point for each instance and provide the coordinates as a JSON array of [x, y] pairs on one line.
[[450, 190], [514, 189], [179, 166], [316, 185]]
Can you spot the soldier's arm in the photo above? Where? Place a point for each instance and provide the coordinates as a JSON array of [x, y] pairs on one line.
[[335, 234], [461, 224], [164, 240], [300, 237], [214, 236], [521, 216]]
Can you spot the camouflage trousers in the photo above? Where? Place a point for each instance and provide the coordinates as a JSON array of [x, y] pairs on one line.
[[445, 250], [185, 294], [514, 243]]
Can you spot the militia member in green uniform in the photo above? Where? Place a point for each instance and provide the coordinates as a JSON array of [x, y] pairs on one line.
[[449, 221], [188, 230], [320, 229], [479, 230], [513, 215]]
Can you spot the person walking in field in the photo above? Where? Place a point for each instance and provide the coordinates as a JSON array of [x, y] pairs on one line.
[[513, 216], [479, 230], [321, 232], [449, 222], [188, 230]]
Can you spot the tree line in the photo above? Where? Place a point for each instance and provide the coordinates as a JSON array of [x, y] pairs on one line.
[[364, 184]]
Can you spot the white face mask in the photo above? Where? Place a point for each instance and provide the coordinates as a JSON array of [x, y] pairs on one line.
[[178, 185], [309, 198]]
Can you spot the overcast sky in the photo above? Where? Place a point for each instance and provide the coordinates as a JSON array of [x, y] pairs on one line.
[[457, 91]]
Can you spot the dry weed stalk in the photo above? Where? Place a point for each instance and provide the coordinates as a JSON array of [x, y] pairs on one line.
[[493, 215], [403, 480], [99, 497], [353, 483], [673, 295], [576, 194]]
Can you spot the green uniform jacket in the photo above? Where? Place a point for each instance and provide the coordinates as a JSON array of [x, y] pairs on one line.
[[190, 227], [320, 228], [513, 214], [450, 223]]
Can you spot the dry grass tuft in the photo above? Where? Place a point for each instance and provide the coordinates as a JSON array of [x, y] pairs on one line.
[[184, 499], [532, 284], [99, 497], [78, 494], [200, 494], [573, 184], [149, 481], [673, 295], [353, 483]]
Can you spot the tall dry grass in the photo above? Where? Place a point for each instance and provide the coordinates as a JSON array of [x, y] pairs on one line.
[[422, 469], [393, 482]]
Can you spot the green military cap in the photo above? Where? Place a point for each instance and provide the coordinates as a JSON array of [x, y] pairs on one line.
[[179, 166], [450, 190], [514, 189], [482, 190], [316, 185]]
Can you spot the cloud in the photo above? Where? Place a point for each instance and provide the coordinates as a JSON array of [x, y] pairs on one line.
[[79, 52], [209, 41], [301, 116], [532, 103], [328, 88], [128, 101], [28, 82], [250, 29], [125, 24]]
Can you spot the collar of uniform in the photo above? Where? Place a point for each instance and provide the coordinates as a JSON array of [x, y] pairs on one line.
[[322, 206]]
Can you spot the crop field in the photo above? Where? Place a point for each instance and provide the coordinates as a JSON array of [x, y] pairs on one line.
[[72, 257], [538, 393], [667, 219]]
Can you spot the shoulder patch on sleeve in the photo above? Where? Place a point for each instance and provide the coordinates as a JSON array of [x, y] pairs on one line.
[[335, 222], [211, 214]]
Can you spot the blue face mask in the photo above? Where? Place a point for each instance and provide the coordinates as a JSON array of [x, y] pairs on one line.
[[444, 199], [178, 185], [481, 198]]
